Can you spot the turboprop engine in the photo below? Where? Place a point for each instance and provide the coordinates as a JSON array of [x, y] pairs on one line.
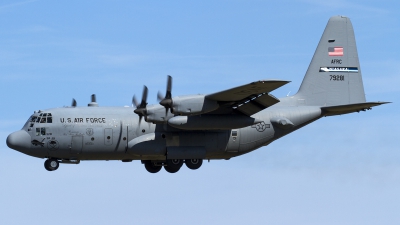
[[192, 105], [186, 105], [181, 105]]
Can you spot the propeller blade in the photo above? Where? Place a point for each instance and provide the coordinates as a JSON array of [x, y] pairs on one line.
[[141, 108], [135, 101], [140, 120], [167, 100], [159, 96], [144, 97], [73, 104], [169, 87]]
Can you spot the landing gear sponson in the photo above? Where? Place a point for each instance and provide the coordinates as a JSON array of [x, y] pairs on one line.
[[171, 165]]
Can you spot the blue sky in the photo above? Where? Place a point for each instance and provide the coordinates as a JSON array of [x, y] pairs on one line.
[[338, 170]]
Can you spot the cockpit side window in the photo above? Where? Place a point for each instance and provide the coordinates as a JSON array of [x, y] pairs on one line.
[[40, 131]]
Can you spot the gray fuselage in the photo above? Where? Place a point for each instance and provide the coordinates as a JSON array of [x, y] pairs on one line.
[[105, 133]]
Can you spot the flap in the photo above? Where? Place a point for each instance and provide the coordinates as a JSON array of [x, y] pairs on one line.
[[257, 104], [247, 90]]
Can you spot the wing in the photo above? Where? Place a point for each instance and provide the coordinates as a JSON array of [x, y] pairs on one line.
[[247, 99]]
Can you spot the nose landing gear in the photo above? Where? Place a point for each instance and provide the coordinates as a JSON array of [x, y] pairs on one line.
[[51, 164]]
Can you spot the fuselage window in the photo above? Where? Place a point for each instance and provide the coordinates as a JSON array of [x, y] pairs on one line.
[[234, 133]]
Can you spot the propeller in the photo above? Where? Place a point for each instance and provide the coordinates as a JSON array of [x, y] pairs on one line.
[[141, 107], [73, 104], [167, 100]]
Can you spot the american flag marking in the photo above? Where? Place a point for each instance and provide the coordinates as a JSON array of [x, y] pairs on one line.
[[335, 51]]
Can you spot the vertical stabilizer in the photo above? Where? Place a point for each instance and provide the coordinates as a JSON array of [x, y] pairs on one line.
[[334, 74]]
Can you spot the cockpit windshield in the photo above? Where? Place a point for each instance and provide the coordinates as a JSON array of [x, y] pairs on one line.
[[44, 118], [41, 118]]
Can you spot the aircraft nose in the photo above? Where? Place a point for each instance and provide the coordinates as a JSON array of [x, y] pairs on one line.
[[19, 140]]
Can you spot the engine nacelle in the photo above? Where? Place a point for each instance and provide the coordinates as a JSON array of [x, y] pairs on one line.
[[192, 105], [157, 114]]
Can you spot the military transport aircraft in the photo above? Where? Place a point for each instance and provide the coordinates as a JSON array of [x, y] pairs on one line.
[[190, 129]]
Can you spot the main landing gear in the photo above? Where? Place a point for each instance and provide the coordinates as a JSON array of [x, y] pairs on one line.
[[172, 165], [51, 164]]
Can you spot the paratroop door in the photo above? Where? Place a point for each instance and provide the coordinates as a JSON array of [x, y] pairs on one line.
[[234, 141]]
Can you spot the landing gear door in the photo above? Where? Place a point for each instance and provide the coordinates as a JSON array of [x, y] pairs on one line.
[[234, 141]]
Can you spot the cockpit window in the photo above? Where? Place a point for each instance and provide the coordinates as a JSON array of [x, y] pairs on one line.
[[42, 118]]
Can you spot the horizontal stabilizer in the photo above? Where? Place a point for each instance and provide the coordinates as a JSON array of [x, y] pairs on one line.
[[350, 108]]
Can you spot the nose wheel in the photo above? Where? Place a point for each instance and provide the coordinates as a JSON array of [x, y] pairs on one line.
[[51, 164]]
